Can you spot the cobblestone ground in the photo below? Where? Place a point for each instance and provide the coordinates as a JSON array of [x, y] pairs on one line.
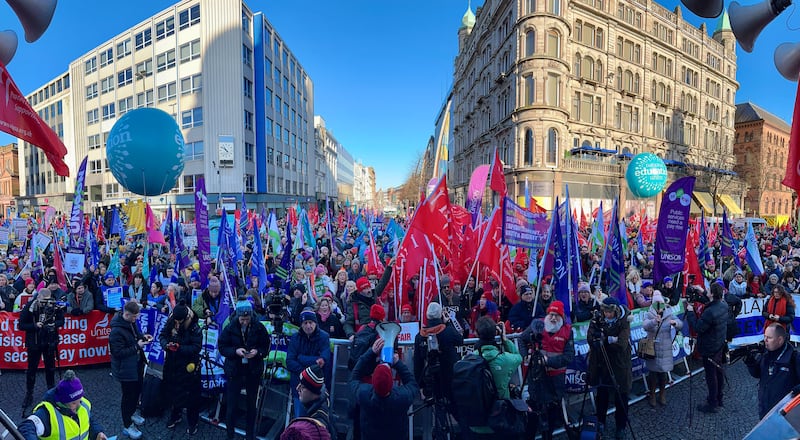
[[675, 421]]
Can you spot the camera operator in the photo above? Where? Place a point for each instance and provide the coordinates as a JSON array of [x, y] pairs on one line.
[[610, 334], [244, 344], [435, 354], [711, 327], [550, 348], [41, 319], [777, 367]]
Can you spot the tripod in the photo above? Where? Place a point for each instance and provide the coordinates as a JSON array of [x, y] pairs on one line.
[[442, 426], [614, 382], [269, 374]]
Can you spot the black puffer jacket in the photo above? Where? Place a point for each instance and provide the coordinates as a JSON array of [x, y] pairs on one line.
[[127, 359], [711, 327], [181, 384], [785, 375], [231, 339]]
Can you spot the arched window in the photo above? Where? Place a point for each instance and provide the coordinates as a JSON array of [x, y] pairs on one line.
[[577, 29], [553, 43], [653, 94], [669, 95], [577, 65], [636, 84], [527, 158], [552, 146], [628, 81], [530, 42], [599, 39], [587, 68], [619, 79]]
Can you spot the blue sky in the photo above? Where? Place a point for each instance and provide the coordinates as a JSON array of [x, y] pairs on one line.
[[381, 70]]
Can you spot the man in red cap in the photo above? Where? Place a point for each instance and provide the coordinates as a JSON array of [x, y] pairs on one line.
[[550, 347], [383, 406]]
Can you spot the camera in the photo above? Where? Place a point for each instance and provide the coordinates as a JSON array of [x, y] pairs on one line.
[[696, 294], [746, 352], [277, 312]]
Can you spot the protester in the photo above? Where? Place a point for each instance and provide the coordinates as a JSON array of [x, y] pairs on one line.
[[182, 341], [711, 328], [308, 347], [41, 319], [645, 295], [660, 325], [314, 397], [330, 319], [585, 304], [137, 289], [157, 297], [80, 301], [358, 307], [522, 313], [779, 308], [778, 368], [25, 295], [485, 307], [64, 413], [7, 294], [207, 306], [109, 282], [126, 344], [738, 286]]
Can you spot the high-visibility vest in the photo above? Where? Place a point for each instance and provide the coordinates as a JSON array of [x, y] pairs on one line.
[[64, 427]]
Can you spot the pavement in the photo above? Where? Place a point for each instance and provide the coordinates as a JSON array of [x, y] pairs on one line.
[[678, 420]]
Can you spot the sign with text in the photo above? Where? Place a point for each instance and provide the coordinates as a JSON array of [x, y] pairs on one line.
[[74, 263], [523, 228]]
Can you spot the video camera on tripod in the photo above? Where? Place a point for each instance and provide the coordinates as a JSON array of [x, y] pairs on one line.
[[277, 312], [47, 314]]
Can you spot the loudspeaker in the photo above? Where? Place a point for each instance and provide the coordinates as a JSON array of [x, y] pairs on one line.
[[703, 8], [388, 331], [35, 16], [8, 46], [748, 21], [787, 60]]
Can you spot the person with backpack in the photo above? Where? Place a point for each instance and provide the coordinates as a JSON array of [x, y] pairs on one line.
[[433, 366], [479, 381], [384, 406]]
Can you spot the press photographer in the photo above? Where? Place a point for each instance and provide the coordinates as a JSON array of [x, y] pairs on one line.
[[550, 349], [776, 365], [435, 353], [41, 319], [712, 329]]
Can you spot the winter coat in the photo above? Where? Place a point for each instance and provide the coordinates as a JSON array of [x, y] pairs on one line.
[[490, 311], [521, 315], [583, 310], [85, 306], [315, 425], [127, 359], [738, 289], [785, 367], [383, 417], [553, 391], [41, 414], [663, 345], [358, 305], [333, 325], [231, 339], [39, 337], [771, 307], [619, 352], [503, 365], [181, 385], [6, 294], [303, 351], [711, 328], [448, 339]]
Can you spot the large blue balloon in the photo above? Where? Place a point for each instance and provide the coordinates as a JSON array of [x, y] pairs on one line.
[[145, 151], [646, 175]]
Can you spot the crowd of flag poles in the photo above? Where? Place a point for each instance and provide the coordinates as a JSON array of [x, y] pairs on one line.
[[440, 237]]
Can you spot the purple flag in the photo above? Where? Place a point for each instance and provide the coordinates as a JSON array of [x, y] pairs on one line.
[[673, 223], [76, 216], [182, 253], [614, 261], [477, 186], [203, 234]]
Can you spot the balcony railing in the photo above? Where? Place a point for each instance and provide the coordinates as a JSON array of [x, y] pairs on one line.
[[589, 166]]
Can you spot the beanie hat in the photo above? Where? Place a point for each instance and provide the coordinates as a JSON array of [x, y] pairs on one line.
[[739, 272], [299, 286], [320, 270], [434, 311], [382, 380], [244, 308], [521, 282], [180, 312], [406, 308], [29, 281], [313, 378], [110, 275], [646, 284], [556, 307], [69, 389], [363, 284], [194, 277], [657, 297], [377, 312], [308, 315], [584, 287], [610, 303], [667, 279]]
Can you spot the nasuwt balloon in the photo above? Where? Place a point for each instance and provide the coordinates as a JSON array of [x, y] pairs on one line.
[[646, 175], [145, 151]]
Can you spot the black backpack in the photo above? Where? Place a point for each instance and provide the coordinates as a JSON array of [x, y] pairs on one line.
[[474, 390], [362, 342]]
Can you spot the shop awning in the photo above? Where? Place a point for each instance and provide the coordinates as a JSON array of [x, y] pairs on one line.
[[673, 163], [730, 204], [705, 201]]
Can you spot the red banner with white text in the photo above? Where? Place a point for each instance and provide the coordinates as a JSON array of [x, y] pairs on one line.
[[83, 341]]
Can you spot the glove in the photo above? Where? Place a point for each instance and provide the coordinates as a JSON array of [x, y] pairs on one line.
[[613, 339], [174, 347]]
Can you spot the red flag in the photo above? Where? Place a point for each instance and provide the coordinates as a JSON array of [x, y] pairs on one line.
[[506, 276], [792, 176], [535, 208], [412, 253], [691, 266], [374, 265], [497, 179], [489, 250], [17, 118], [584, 224], [101, 236], [59, 267], [154, 235], [292, 216], [434, 219]]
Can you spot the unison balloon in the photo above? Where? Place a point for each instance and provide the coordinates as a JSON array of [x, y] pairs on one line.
[[145, 151], [646, 175]]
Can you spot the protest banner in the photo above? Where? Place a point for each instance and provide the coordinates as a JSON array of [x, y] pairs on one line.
[[523, 228], [74, 263], [113, 297]]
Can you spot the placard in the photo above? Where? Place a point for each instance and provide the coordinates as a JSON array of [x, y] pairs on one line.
[[5, 236], [74, 263], [113, 297], [196, 294], [409, 331]]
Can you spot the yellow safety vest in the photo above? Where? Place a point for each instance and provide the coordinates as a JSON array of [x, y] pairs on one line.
[[64, 427]]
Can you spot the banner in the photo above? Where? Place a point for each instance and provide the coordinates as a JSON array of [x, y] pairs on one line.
[[523, 228], [83, 341], [76, 215], [201, 227], [477, 186], [673, 222]]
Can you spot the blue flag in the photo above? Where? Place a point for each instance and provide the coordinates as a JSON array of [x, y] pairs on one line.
[[287, 262], [561, 264], [705, 252], [258, 268], [752, 255], [615, 263], [169, 229]]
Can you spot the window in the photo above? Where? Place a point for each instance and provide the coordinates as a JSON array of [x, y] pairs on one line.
[[530, 6], [91, 91], [90, 65], [552, 86], [528, 153], [552, 146], [192, 118], [93, 142], [112, 189], [553, 43], [245, 23], [189, 17], [278, 105], [587, 108], [247, 87], [124, 48], [249, 152], [249, 183], [248, 120], [269, 127], [193, 150], [165, 60], [191, 84], [530, 43], [270, 155], [144, 99], [107, 57], [626, 118], [125, 77], [143, 39], [165, 28], [95, 166], [166, 92], [268, 97], [554, 7], [190, 51], [107, 84], [145, 67], [278, 130], [109, 112], [125, 105], [247, 55], [189, 182]]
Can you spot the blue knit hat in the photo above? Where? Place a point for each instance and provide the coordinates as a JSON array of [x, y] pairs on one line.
[[308, 315], [244, 308]]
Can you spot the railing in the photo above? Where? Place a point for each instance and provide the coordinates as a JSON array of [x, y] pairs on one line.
[[590, 166]]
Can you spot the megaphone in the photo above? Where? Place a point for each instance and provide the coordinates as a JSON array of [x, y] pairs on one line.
[[704, 8], [35, 16], [388, 331], [748, 21], [8, 46], [787, 60]]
